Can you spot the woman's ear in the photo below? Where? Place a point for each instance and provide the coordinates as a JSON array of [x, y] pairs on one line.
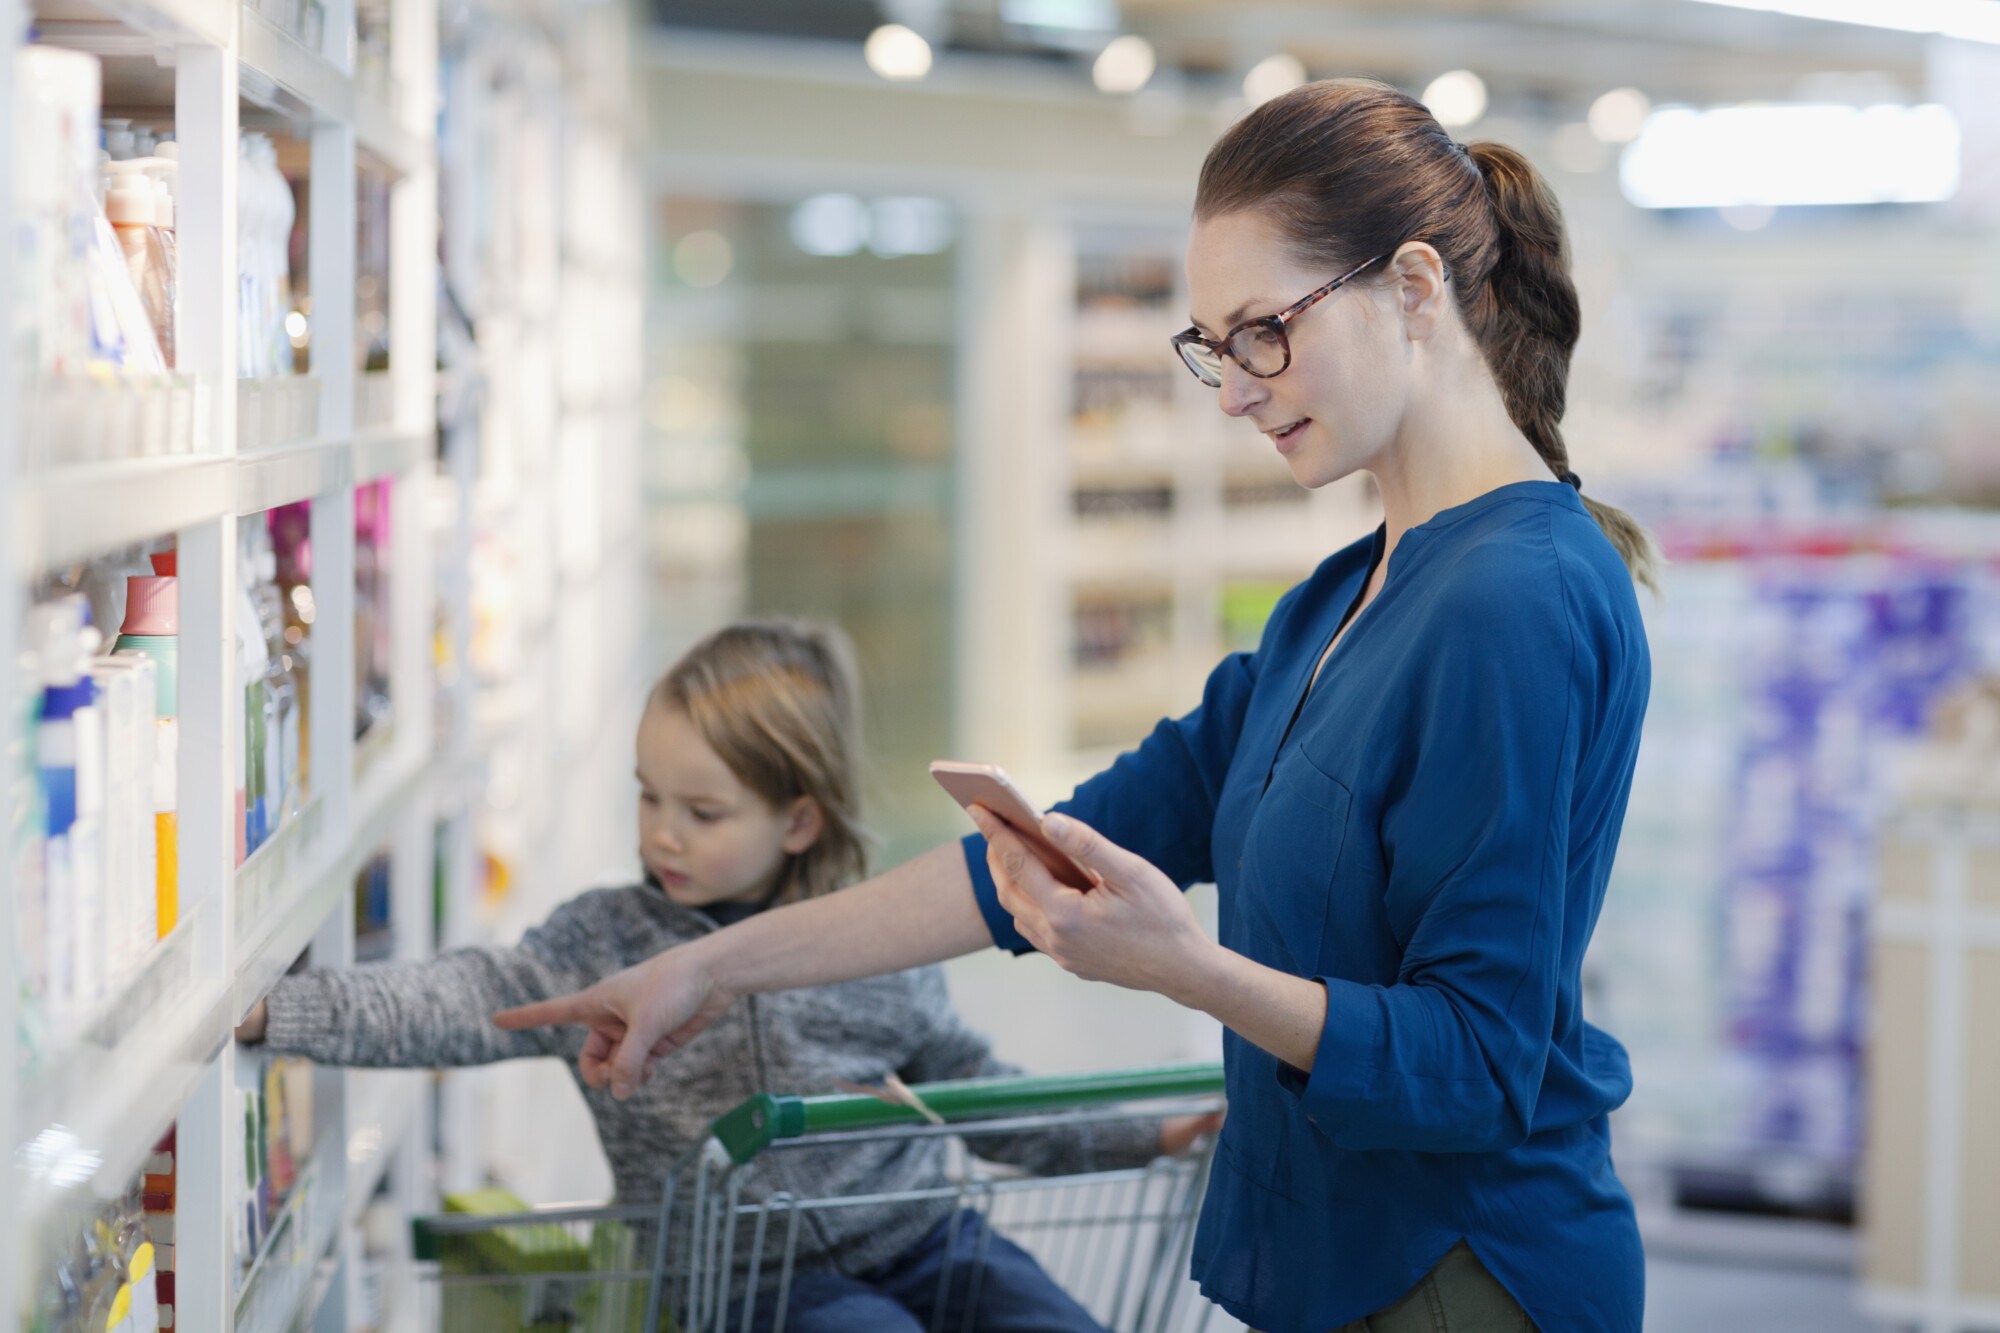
[[804, 825], [1418, 272]]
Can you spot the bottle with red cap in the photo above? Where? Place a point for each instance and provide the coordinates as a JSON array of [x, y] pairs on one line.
[[152, 627]]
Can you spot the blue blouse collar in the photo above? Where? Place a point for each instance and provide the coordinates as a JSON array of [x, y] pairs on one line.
[[1552, 491]]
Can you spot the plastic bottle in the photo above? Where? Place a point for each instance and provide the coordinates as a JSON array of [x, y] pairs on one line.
[[119, 141], [69, 749], [26, 832], [164, 171], [55, 132], [152, 627], [129, 205], [127, 690]]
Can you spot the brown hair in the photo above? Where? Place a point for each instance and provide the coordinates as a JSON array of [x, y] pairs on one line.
[[776, 701], [1350, 168]]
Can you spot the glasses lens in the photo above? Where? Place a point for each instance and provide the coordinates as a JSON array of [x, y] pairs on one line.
[[1206, 365], [1260, 349]]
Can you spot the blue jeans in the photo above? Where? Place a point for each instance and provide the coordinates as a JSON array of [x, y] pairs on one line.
[[1014, 1294]]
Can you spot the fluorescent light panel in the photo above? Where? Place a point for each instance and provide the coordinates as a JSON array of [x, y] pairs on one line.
[[1973, 20], [1791, 155]]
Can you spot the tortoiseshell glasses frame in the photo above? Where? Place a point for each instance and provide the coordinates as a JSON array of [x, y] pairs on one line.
[[1260, 346]]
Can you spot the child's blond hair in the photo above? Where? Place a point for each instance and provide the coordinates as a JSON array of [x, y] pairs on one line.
[[775, 699]]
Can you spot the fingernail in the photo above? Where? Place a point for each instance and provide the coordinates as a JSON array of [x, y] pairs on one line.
[[1056, 826]]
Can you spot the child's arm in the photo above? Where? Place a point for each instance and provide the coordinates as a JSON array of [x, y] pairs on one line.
[[951, 1050], [430, 1014]]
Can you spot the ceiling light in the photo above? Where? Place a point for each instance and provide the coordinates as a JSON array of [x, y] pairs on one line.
[[1273, 76], [1619, 115], [1073, 15], [1786, 155], [1456, 98], [830, 224], [1124, 66], [896, 52], [1973, 20]]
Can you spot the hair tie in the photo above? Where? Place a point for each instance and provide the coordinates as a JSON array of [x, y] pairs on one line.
[[1571, 479]]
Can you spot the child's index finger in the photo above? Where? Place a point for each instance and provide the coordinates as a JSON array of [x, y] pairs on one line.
[[543, 1014]]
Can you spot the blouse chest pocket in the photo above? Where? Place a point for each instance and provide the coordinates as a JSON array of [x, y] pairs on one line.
[[1290, 856]]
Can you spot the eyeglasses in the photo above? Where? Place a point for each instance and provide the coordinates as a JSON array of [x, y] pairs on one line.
[[1260, 346]]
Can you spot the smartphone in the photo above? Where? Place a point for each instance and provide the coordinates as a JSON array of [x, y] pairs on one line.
[[989, 785]]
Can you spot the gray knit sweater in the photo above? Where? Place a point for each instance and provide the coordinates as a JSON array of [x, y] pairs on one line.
[[439, 1013]]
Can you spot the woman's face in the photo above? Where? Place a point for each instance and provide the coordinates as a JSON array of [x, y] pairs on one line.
[[704, 835], [1336, 408]]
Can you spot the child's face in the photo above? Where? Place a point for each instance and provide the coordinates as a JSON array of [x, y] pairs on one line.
[[705, 836]]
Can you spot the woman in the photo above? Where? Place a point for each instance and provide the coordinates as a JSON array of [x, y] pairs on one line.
[[1409, 796]]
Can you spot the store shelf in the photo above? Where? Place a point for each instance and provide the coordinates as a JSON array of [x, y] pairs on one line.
[[204, 20], [304, 881], [268, 883], [99, 1102], [278, 72], [281, 1279], [377, 131], [85, 509], [381, 1112], [388, 451], [267, 478]]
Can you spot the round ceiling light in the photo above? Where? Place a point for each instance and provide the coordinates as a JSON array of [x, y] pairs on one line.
[[1124, 66], [1456, 98], [896, 52]]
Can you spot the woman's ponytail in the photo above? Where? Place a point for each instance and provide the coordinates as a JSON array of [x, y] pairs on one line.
[[1527, 318], [1351, 168]]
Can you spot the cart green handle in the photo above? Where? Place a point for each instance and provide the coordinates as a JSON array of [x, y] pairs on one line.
[[764, 1119]]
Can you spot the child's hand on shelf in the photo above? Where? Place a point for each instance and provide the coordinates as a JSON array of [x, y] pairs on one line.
[[1178, 1132], [251, 1029]]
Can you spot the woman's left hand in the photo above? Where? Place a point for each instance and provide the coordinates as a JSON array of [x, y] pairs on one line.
[[1134, 929]]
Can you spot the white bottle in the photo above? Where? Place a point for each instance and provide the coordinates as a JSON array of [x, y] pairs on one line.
[[129, 205], [88, 939], [119, 141]]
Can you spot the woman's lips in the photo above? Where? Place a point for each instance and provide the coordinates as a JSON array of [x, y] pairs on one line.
[[1288, 436]]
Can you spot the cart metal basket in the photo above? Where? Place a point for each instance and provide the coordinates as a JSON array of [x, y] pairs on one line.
[[702, 1259]]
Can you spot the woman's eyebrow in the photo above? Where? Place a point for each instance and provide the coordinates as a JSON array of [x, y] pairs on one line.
[[1234, 317]]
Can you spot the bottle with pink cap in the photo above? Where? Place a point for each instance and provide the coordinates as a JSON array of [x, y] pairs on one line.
[[152, 627]]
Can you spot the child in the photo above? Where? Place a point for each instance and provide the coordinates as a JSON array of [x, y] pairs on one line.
[[747, 797]]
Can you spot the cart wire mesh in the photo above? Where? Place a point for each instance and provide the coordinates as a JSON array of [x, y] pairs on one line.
[[706, 1259]]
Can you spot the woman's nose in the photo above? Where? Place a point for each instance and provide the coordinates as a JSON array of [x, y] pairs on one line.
[[1240, 393]]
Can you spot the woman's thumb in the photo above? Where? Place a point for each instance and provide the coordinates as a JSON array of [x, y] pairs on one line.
[[1084, 844]]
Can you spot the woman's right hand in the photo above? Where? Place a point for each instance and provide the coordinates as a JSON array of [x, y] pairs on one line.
[[636, 1016]]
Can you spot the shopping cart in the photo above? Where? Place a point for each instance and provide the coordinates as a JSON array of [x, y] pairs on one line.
[[703, 1259]]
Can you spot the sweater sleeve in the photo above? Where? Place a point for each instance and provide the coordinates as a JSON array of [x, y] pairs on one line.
[[1450, 1058], [952, 1050], [436, 1013], [1157, 800]]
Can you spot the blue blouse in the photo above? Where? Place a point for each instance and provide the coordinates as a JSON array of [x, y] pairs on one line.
[[1430, 838]]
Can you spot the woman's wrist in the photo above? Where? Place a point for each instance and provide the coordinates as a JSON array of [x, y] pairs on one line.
[[699, 960], [1201, 977]]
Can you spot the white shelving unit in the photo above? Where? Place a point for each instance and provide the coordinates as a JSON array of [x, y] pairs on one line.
[[515, 604], [158, 1053]]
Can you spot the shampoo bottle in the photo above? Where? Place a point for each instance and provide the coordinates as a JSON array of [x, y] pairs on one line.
[[152, 627]]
